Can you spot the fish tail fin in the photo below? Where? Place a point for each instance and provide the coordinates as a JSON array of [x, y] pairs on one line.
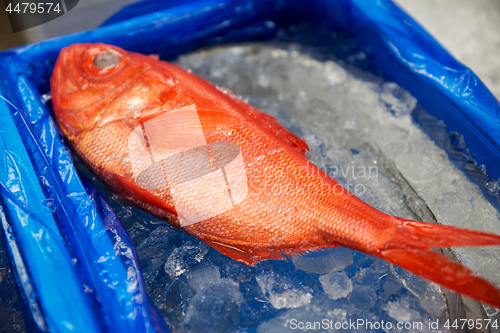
[[442, 270], [429, 235], [411, 250]]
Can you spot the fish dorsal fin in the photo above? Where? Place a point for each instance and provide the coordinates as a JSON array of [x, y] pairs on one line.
[[213, 119], [272, 124], [266, 122], [130, 189]]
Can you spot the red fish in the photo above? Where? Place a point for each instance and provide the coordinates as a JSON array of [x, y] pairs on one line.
[[227, 173]]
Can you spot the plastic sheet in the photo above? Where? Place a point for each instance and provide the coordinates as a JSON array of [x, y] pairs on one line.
[[48, 208], [74, 262]]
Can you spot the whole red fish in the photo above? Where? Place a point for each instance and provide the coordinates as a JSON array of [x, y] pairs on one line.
[[225, 172]]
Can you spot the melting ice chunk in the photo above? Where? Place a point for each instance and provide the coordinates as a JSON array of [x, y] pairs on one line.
[[202, 275], [215, 308], [336, 284], [363, 297], [321, 262], [282, 292], [399, 310], [185, 257]]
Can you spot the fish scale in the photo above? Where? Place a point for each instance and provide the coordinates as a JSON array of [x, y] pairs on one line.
[[268, 201]]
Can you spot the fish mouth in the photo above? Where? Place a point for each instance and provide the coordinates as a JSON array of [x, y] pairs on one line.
[[101, 61]]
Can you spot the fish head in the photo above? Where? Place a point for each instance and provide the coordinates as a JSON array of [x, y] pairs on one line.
[[94, 84]]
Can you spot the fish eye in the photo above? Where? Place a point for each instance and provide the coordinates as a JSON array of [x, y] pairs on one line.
[[107, 59], [101, 60]]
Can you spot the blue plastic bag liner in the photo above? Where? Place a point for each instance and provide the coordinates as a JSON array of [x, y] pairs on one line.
[[70, 248], [36, 321], [41, 243], [47, 198]]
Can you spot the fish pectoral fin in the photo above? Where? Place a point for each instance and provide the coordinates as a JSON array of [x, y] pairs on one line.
[[442, 270], [130, 189], [246, 257]]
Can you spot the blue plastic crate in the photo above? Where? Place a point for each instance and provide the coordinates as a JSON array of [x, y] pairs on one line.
[[77, 268]]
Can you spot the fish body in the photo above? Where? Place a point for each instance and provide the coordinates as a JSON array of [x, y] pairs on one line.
[[196, 155]]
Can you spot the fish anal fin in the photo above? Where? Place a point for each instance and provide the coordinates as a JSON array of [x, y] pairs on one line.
[[442, 270], [246, 257], [130, 189]]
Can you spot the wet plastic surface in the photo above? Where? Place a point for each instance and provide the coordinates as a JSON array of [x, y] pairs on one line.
[[49, 210], [56, 223]]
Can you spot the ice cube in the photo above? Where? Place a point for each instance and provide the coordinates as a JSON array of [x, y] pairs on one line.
[[185, 257], [336, 284], [138, 233], [399, 310], [202, 275], [238, 271], [362, 297], [321, 262], [215, 308], [282, 292]]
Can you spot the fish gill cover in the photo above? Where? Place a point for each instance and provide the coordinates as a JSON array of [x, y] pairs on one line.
[[397, 48]]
